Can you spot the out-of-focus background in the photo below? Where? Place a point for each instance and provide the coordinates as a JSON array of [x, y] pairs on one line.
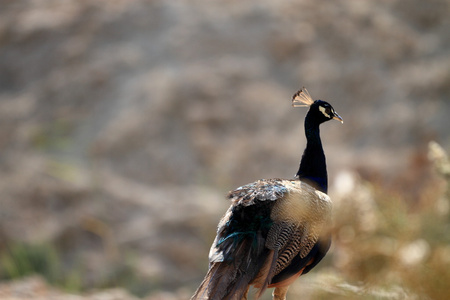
[[124, 123]]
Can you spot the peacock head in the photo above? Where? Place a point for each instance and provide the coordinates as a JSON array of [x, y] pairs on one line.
[[320, 110]]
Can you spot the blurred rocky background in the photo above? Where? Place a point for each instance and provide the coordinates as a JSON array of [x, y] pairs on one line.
[[124, 123]]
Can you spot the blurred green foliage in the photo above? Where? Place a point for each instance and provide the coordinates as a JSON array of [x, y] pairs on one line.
[[23, 259], [52, 136]]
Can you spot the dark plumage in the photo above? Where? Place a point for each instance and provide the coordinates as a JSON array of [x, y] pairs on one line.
[[274, 230]]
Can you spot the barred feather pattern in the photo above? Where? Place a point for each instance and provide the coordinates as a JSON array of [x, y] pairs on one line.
[[289, 240]]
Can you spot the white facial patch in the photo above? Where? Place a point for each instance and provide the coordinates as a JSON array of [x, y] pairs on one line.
[[323, 110]]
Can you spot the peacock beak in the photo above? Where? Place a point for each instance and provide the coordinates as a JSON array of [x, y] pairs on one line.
[[337, 117]]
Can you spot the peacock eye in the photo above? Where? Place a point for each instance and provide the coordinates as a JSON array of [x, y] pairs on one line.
[[326, 111]]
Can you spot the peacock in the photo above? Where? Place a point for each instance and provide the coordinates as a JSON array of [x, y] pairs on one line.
[[275, 229]]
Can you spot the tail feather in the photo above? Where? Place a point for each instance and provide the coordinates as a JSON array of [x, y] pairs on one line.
[[230, 279], [222, 282], [267, 272], [239, 253]]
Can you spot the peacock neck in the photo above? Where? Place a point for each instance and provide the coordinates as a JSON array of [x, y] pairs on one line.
[[313, 168]]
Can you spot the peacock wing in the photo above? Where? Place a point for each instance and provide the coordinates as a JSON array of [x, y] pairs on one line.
[[299, 222], [261, 190], [288, 240], [248, 218]]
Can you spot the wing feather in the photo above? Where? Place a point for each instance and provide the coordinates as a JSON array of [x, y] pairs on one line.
[[262, 190]]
